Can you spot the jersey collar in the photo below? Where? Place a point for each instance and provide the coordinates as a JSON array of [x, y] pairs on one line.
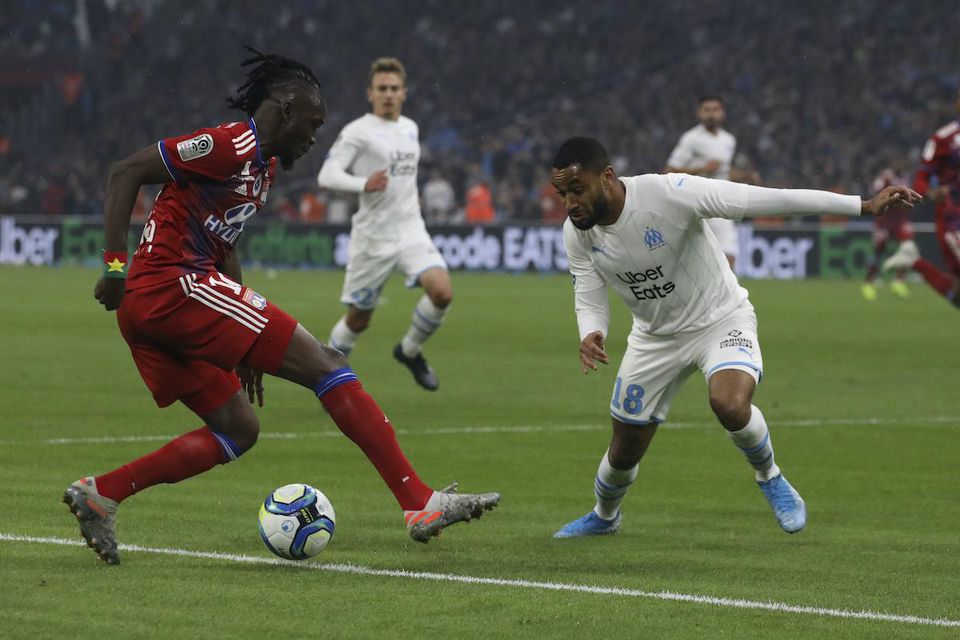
[[256, 137]]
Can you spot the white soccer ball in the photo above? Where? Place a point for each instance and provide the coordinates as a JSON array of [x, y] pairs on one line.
[[296, 521]]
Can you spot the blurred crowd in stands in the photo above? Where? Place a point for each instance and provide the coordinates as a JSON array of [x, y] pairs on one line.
[[819, 94]]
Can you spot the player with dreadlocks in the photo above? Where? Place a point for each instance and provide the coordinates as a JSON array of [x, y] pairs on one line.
[[198, 335]]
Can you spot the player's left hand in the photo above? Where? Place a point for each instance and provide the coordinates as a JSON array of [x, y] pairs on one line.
[[252, 382], [890, 197]]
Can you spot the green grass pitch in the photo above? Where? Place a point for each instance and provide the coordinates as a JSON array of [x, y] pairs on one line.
[[861, 398]]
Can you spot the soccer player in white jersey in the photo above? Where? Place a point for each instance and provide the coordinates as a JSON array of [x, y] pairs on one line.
[[644, 237], [707, 150], [376, 156]]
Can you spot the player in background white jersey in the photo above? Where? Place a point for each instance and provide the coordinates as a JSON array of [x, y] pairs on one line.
[[377, 156], [644, 237], [707, 150]]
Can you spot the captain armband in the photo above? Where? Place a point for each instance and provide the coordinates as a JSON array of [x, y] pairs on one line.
[[115, 264]]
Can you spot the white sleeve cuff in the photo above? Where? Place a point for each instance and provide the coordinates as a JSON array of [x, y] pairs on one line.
[[593, 312], [334, 178]]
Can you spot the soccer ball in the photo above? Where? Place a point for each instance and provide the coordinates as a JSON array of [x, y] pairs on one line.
[[296, 521]]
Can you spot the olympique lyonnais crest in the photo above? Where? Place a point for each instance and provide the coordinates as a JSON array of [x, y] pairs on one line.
[[653, 238], [254, 299]]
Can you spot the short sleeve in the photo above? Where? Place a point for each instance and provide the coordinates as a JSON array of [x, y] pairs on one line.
[[207, 153]]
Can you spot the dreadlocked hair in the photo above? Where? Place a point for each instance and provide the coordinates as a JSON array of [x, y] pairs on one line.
[[271, 71]]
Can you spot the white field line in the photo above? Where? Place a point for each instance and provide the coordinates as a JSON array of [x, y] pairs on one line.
[[669, 596], [600, 425]]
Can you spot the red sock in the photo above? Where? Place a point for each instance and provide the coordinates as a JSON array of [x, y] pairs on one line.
[[937, 279], [361, 420], [181, 458]]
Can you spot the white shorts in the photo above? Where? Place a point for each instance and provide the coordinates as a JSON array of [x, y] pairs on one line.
[[726, 232], [369, 266], [654, 367]]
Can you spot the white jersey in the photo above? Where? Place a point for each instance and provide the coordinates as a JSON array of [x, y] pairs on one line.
[[660, 260], [694, 150], [366, 145], [698, 146]]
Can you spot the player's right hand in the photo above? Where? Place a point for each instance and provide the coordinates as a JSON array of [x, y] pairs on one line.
[[888, 198], [591, 352], [109, 292], [377, 181]]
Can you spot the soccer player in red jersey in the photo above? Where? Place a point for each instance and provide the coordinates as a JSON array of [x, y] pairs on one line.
[[938, 177], [199, 336], [891, 226]]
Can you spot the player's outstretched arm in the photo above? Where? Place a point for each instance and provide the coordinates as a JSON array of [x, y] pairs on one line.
[[721, 199], [126, 177], [890, 197]]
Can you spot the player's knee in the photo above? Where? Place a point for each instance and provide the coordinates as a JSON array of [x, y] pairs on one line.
[[441, 299], [330, 359], [247, 432], [358, 323], [732, 410]]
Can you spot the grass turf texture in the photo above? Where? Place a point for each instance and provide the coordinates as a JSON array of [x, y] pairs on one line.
[[882, 497]]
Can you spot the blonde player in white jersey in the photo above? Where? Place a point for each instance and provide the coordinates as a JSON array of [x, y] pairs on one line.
[[377, 156], [707, 150], [644, 237]]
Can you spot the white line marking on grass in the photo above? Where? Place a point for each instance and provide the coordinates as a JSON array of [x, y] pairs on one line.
[[670, 596], [600, 425]]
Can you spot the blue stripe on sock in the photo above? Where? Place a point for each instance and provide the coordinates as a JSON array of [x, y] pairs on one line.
[[231, 450], [333, 380], [611, 487], [757, 448], [425, 329], [430, 322]]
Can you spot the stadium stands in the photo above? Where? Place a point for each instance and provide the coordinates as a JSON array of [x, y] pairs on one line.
[[819, 95]]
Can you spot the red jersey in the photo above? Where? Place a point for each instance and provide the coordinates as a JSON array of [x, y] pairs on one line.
[[219, 180], [940, 158]]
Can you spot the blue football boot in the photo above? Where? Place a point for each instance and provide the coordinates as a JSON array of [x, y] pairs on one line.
[[589, 525], [788, 507]]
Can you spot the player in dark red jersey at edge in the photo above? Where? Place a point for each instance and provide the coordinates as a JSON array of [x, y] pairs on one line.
[[198, 335], [938, 177], [892, 226]]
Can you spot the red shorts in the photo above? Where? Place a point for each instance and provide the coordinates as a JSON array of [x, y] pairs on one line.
[[188, 335]]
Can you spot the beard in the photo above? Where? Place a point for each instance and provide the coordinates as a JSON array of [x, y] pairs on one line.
[[599, 210], [287, 162]]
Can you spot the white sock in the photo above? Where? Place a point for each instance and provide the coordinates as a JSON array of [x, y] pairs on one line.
[[755, 444], [427, 318], [610, 486], [342, 338]]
